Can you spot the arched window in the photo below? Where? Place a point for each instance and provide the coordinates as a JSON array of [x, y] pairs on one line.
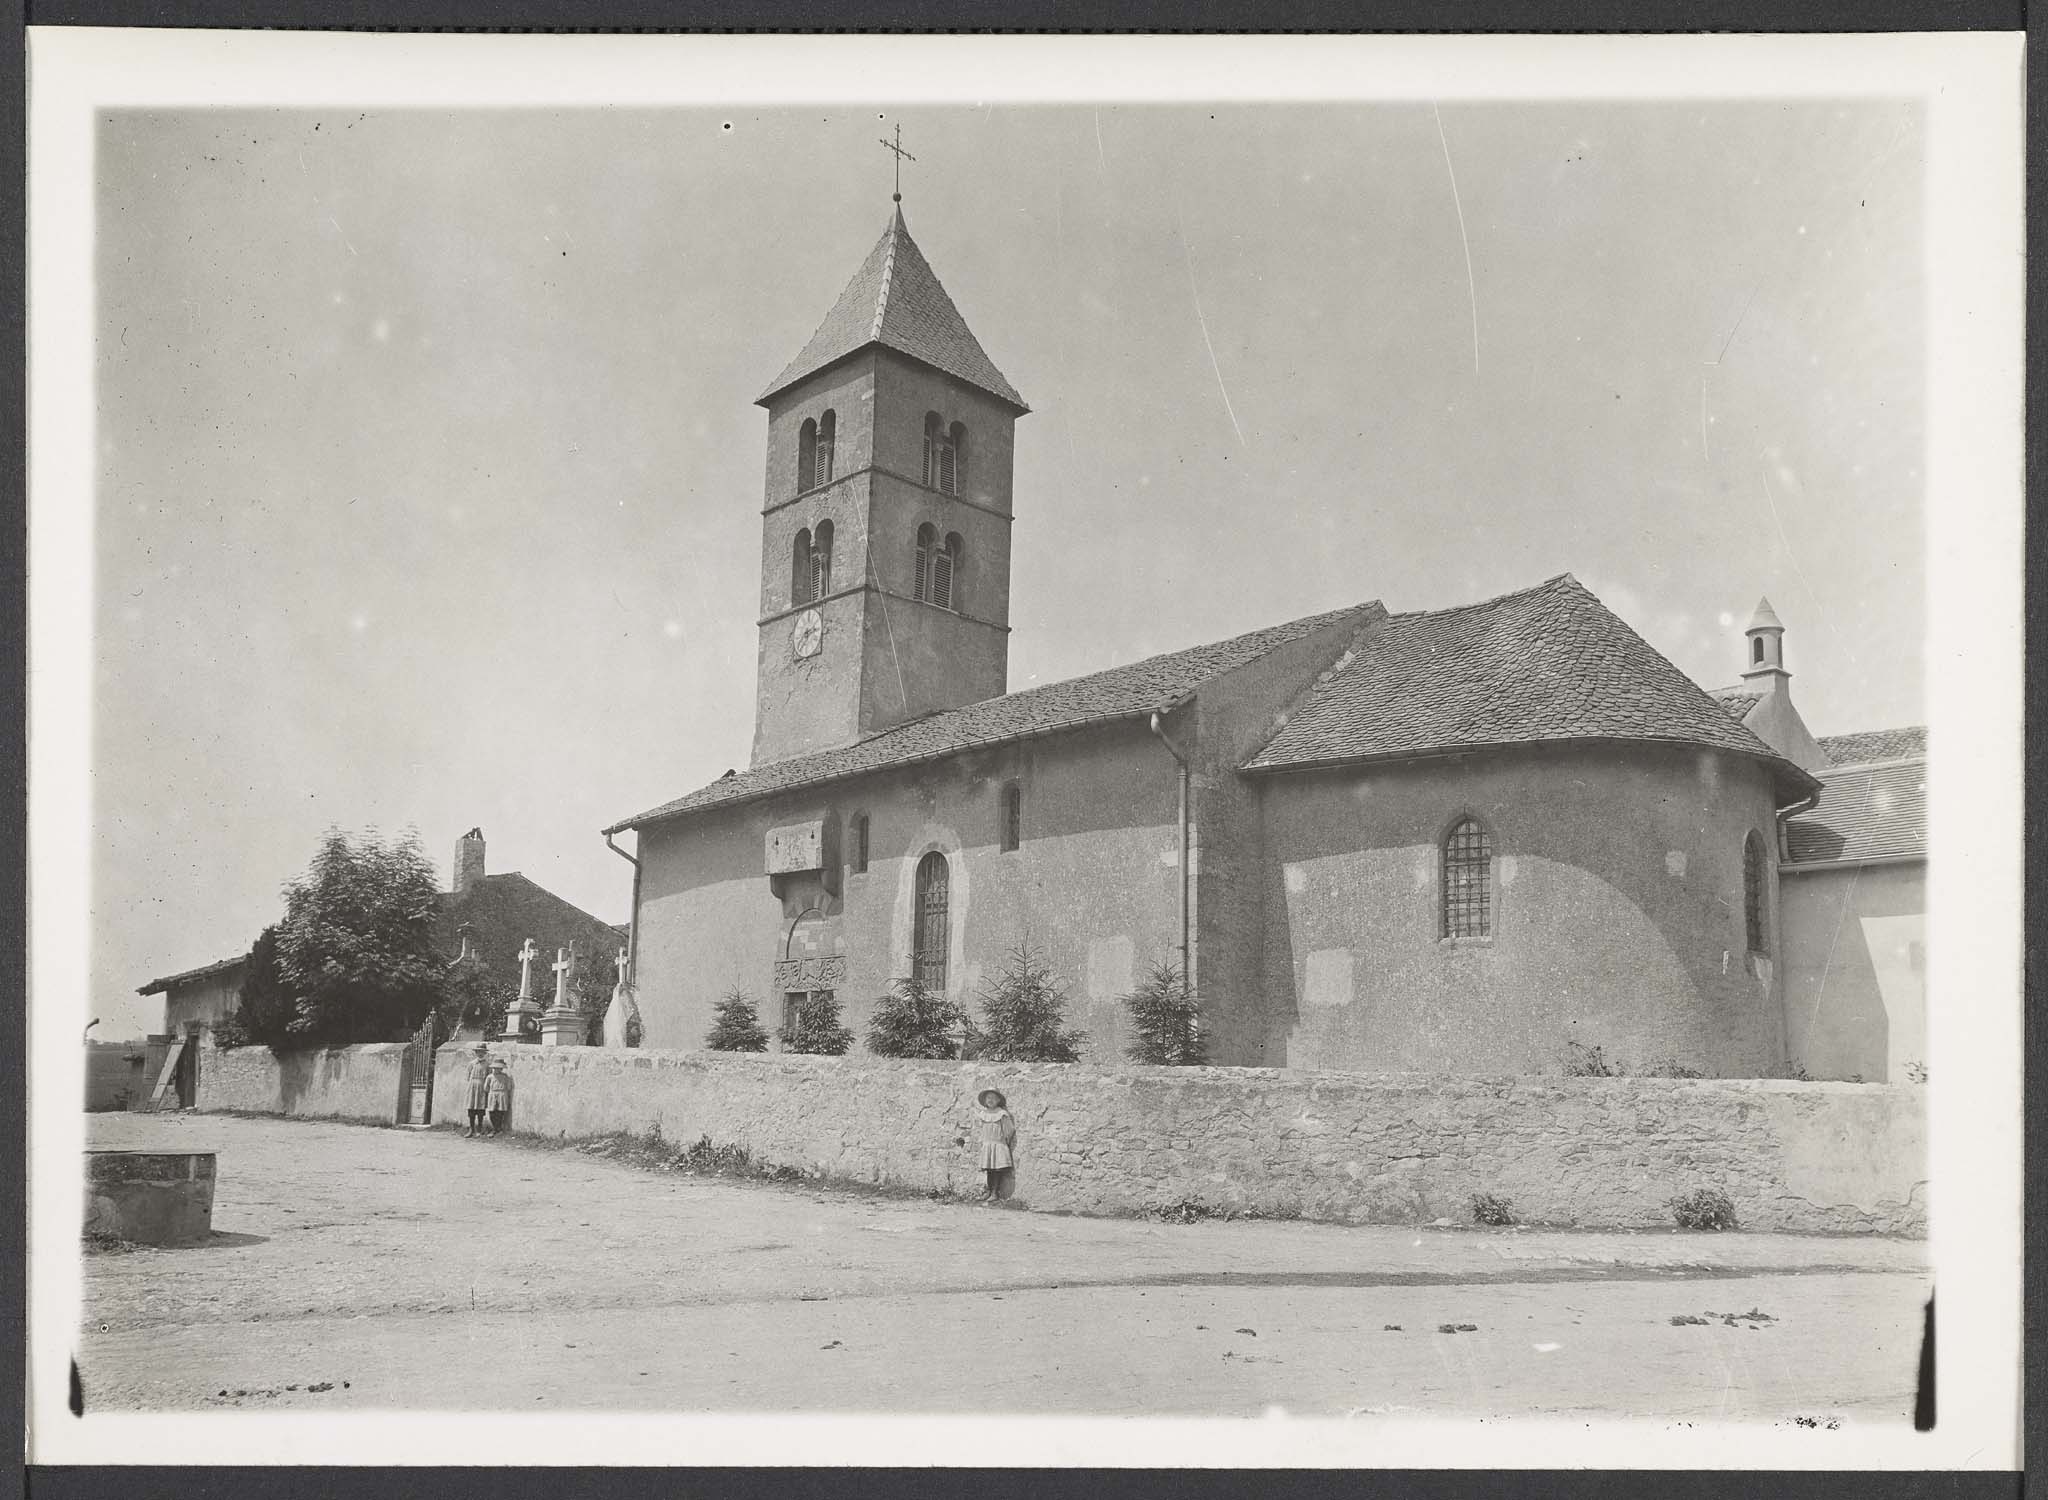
[[1468, 881], [927, 543], [1013, 816], [945, 589], [928, 924], [821, 561], [806, 454], [957, 443], [800, 568], [942, 454], [821, 466], [1753, 892], [1756, 651]]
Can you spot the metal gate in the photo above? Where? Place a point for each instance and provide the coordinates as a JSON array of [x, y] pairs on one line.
[[416, 1077]]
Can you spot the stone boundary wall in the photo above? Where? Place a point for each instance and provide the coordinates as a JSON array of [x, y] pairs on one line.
[[1349, 1148], [336, 1083]]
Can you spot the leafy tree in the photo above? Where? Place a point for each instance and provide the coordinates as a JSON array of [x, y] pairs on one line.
[[264, 1007], [914, 1021], [738, 1027], [1166, 1021], [817, 1029], [356, 946], [1023, 1013]]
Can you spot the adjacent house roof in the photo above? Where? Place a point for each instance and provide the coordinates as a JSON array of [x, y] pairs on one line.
[[1736, 702], [1141, 688], [1546, 664], [204, 971], [1875, 745], [503, 911], [895, 300], [1872, 812]]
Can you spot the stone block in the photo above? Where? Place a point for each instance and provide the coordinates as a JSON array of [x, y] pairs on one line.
[[150, 1197]]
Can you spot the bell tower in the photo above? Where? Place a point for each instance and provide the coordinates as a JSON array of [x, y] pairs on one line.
[[885, 536]]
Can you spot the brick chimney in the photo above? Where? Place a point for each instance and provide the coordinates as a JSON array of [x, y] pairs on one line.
[[469, 860]]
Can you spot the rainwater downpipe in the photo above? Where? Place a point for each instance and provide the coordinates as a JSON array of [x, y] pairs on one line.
[[633, 921], [1187, 973]]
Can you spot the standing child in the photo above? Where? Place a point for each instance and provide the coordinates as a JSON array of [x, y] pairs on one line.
[[478, 1097], [994, 1132], [498, 1095]]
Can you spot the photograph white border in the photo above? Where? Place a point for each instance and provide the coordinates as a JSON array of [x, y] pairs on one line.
[[1970, 87]]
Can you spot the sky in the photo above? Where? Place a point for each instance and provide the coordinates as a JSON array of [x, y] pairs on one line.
[[429, 476]]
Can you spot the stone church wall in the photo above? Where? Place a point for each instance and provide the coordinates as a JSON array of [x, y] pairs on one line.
[[1095, 885], [1350, 1148], [1618, 915]]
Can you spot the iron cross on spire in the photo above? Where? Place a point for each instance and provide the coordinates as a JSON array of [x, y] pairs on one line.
[[902, 156]]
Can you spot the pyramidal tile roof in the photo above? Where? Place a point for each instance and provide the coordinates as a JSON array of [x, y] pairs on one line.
[[1139, 688], [1549, 663], [895, 300]]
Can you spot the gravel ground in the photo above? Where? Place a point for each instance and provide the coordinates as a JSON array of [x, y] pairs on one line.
[[355, 1267]]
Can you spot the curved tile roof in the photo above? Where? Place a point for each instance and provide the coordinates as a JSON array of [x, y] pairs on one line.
[[1875, 744], [1549, 663], [895, 300], [1129, 691]]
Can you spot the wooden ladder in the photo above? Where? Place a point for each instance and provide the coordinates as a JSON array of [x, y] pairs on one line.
[[169, 1077]]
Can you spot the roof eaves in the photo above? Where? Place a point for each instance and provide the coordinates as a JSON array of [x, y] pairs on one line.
[[922, 757], [1804, 781]]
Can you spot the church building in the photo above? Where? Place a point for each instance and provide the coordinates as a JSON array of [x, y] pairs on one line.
[[1451, 840]]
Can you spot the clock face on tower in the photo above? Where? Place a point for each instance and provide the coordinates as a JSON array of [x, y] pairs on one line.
[[807, 637]]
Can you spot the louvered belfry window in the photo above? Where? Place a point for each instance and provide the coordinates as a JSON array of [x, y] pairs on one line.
[[821, 461], [928, 934], [945, 561], [1753, 892], [1468, 881], [802, 578], [821, 561], [927, 541], [942, 452]]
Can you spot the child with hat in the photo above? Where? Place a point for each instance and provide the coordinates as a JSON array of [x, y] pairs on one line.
[[994, 1133], [498, 1095], [477, 1100]]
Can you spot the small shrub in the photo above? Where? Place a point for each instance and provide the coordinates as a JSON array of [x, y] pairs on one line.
[[1686, 1320], [736, 1027], [1797, 1072], [1703, 1208], [1166, 1021], [1916, 1072], [1671, 1068], [914, 1021], [1581, 1061], [1491, 1208], [1024, 1014], [817, 1030]]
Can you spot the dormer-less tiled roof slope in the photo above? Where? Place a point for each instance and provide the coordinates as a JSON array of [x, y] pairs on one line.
[[1870, 745], [204, 971], [895, 300], [1870, 812], [1550, 663], [1125, 692]]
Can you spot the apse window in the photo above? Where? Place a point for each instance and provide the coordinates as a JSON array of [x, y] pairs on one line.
[[860, 843], [1468, 881]]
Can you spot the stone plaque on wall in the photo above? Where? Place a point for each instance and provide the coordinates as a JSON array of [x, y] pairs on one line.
[[796, 847], [823, 973]]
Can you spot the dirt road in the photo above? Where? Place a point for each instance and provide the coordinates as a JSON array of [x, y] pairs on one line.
[[358, 1268]]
